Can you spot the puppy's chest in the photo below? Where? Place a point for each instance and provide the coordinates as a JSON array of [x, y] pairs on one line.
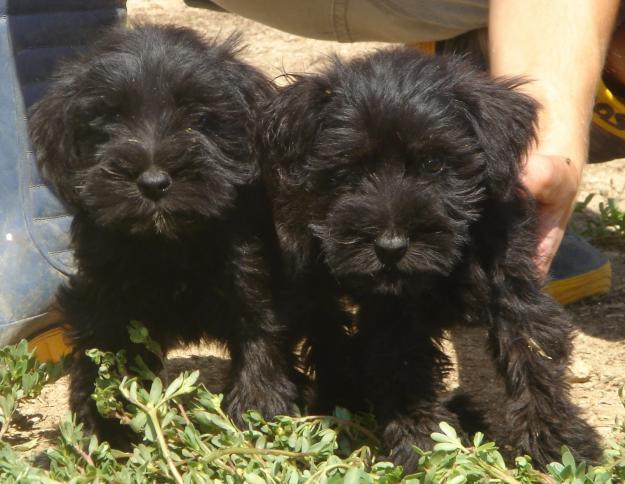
[[163, 285], [431, 312]]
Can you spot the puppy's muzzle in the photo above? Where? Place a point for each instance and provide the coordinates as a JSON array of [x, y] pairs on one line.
[[154, 183], [391, 248]]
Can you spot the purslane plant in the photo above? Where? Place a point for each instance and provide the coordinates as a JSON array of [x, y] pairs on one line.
[[185, 437]]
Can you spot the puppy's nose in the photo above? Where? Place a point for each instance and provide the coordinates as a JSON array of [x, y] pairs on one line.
[[154, 183], [391, 248]]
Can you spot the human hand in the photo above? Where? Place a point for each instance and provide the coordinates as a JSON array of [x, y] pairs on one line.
[[553, 181]]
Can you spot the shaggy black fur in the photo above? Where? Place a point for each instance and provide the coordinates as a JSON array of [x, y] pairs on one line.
[[395, 184], [149, 137]]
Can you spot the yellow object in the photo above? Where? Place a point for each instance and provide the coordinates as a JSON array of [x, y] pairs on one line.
[[425, 47], [609, 112], [49, 345], [571, 289]]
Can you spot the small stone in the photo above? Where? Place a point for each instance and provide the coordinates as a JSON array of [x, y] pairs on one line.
[[579, 372]]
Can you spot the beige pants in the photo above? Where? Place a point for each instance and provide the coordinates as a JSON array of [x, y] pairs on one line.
[[405, 21]]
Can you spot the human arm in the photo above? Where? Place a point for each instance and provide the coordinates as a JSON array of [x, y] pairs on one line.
[[560, 45]]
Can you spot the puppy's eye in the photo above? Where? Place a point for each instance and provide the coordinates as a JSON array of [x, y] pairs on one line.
[[88, 140], [433, 165], [99, 137]]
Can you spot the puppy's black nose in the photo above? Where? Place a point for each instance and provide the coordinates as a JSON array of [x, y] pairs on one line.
[[391, 248], [154, 183]]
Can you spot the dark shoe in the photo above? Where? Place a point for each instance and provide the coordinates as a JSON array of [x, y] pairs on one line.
[[578, 271], [205, 4], [34, 226]]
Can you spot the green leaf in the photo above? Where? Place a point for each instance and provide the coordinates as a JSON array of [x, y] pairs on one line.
[[150, 432], [567, 458], [355, 476], [438, 437], [446, 446], [211, 420], [156, 391], [174, 386], [138, 422], [342, 413], [555, 468], [457, 480], [448, 430], [168, 418], [254, 479], [182, 385]]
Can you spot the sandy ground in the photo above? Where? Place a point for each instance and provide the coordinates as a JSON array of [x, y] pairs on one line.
[[600, 340]]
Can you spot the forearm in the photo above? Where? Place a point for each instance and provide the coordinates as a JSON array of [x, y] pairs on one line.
[[560, 45]]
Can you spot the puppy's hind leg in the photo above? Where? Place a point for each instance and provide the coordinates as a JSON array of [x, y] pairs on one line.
[[530, 337]]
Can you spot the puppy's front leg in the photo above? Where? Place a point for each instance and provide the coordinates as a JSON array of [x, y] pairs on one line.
[[96, 322], [402, 373], [260, 379], [262, 374], [328, 352], [530, 338]]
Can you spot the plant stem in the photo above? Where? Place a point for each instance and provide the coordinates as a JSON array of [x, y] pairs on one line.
[[216, 454], [344, 465], [152, 413], [5, 427], [498, 473], [183, 413], [84, 455], [343, 422]]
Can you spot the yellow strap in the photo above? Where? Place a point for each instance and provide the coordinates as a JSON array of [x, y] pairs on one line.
[[572, 289]]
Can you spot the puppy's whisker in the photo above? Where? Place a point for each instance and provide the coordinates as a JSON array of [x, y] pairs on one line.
[[113, 174], [346, 242]]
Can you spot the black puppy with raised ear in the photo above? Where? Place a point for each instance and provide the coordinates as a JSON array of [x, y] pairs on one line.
[[395, 184], [149, 137]]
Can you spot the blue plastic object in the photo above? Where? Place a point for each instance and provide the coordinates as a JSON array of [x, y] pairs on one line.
[[34, 226]]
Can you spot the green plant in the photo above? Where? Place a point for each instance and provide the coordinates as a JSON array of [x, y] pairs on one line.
[[21, 377], [185, 437], [608, 225]]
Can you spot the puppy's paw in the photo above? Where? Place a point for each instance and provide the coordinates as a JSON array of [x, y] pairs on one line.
[[109, 430], [81, 403], [402, 434], [544, 442], [270, 400], [404, 455]]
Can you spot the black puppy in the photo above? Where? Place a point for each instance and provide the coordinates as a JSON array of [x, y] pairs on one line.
[[149, 137], [395, 184]]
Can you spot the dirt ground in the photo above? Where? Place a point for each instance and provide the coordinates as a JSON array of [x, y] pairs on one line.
[[599, 355]]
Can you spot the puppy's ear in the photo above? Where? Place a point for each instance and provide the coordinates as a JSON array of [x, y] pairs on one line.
[[290, 126], [52, 133], [292, 120], [504, 121]]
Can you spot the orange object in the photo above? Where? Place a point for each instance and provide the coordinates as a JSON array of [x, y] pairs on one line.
[[426, 47], [50, 345]]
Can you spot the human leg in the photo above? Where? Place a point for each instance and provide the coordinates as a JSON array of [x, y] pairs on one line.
[[34, 227]]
